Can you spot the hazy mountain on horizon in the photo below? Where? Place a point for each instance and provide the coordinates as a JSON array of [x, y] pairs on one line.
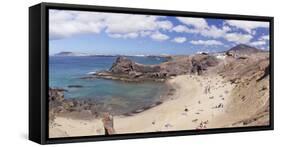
[[240, 49], [244, 49]]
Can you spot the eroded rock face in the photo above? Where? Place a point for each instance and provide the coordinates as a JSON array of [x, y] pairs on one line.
[[107, 120], [128, 70], [124, 65], [56, 94], [75, 108], [250, 94], [202, 62], [253, 67]]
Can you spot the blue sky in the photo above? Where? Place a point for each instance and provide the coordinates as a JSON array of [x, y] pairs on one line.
[[128, 34]]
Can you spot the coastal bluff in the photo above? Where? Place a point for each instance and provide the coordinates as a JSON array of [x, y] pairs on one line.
[[125, 69], [219, 90]]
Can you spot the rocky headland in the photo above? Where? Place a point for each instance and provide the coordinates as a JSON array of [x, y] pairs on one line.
[[228, 89], [125, 69], [77, 108]]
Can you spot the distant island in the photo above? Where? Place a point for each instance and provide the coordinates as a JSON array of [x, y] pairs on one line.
[[240, 49], [68, 53]]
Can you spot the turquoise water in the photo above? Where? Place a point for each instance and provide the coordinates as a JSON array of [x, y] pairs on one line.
[[117, 96]]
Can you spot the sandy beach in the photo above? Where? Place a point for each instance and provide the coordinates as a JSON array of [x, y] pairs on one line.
[[198, 101], [163, 74], [232, 93], [67, 127]]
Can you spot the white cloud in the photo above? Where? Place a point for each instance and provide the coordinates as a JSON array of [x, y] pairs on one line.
[[145, 33], [127, 23], [204, 30], [238, 37], [214, 31], [200, 26], [261, 43], [165, 25], [125, 36], [198, 23], [258, 43], [69, 23], [159, 36], [180, 28], [206, 42], [248, 26], [179, 39], [265, 37], [184, 29], [254, 32], [128, 26]]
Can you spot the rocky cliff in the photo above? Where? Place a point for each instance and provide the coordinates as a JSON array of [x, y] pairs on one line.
[[127, 70], [74, 108]]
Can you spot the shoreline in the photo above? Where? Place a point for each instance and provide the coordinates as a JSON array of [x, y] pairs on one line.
[[183, 110], [207, 92], [154, 100], [226, 95], [191, 107]]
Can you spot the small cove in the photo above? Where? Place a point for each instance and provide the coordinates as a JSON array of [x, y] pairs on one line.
[[114, 96]]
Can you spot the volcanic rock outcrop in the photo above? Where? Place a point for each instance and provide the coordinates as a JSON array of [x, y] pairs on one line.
[[75, 108], [250, 76], [127, 70]]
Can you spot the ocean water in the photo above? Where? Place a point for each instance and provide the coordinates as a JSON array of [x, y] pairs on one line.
[[115, 96]]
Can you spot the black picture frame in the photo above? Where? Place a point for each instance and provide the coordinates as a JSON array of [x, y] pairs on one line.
[[38, 72]]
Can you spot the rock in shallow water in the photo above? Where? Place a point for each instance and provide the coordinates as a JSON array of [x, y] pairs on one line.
[[74, 86]]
